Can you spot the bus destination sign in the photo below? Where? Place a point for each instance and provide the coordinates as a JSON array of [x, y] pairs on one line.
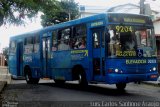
[[133, 20], [123, 18]]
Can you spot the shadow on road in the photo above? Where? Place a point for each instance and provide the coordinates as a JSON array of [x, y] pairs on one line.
[[90, 88], [107, 91], [99, 89]]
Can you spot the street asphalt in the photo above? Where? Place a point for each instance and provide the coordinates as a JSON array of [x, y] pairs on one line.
[[154, 83], [2, 85]]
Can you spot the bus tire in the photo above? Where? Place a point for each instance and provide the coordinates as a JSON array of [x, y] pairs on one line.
[[121, 86], [78, 73], [28, 77], [82, 79]]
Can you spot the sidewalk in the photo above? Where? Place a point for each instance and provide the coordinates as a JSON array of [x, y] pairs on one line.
[[5, 77], [4, 74], [154, 83]]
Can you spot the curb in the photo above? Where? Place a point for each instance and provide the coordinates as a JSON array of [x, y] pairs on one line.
[[157, 84], [2, 85]]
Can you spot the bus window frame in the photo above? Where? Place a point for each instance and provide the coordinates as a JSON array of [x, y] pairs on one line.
[[11, 48], [36, 43], [26, 40], [29, 44], [79, 37], [54, 48], [60, 38]]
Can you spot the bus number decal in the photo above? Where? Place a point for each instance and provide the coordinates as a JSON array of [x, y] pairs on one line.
[[124, 29], [152, 61], [125, 53]]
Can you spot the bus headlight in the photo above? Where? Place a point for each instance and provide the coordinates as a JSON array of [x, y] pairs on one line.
[[116, 70], [154, 69]]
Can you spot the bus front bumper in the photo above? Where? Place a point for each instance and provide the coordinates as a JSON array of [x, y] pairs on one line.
[[126, 78]]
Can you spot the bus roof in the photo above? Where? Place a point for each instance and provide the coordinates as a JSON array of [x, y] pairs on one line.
[[70, 23], [64, 24]]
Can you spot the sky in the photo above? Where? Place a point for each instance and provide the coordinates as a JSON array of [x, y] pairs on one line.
[[6, 31], [103, 2], [9, 30]]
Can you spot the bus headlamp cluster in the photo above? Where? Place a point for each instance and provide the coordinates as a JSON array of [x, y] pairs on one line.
[[116, 70], [153, 69]]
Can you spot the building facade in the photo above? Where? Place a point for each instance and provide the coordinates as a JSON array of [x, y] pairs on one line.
[[2, 60]]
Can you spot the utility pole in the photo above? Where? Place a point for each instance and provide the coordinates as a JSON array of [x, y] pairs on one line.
[[142, 6]]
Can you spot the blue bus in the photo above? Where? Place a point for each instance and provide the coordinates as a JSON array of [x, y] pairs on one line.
[[111, 48]]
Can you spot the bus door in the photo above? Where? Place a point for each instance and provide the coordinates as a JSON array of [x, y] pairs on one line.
[[19, 58], [98, 54], [46, 56]]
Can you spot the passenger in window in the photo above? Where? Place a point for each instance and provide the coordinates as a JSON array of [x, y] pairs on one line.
[[72, 43], [143, 37], [128, 41], [54, 47], [77, 44], [63, 45], [130, 45], [83, 44]]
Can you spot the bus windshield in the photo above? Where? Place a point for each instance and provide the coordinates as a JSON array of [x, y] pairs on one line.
[[131, 41]]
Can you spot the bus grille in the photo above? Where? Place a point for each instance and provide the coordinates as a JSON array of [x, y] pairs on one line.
[[138, 69]]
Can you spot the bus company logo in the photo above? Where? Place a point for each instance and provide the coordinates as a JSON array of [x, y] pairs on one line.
[[99, 23], [80, 51], [78, 54]]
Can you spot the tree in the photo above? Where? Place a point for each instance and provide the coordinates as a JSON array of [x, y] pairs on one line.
[[15, 11], [66, 10]]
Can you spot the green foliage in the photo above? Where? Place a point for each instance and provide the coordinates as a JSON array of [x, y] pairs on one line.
[[15, 11], [60, 13]]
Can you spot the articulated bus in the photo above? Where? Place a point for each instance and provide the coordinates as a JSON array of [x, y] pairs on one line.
[[110, 48]]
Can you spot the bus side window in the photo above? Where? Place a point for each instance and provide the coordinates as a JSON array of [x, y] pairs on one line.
[[36, 43], [28, 48], [54, 41], [96, 39], [63, 39], [79, 37], [13, 47]]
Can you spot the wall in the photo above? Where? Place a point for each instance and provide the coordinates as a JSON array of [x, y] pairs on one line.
[[157, 26], [2, 60]]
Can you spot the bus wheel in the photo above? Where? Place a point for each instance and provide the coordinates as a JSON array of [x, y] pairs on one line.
[[82, 79], [121, 86], [29, 78]]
